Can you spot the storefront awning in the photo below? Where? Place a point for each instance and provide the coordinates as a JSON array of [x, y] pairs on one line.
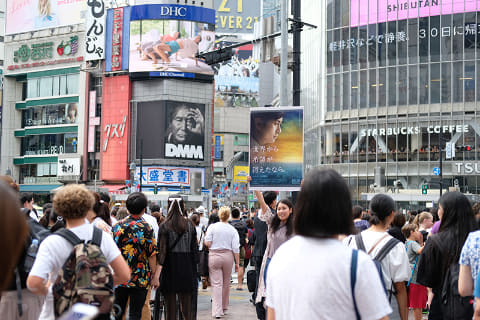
[[38, 188], [114, 187]]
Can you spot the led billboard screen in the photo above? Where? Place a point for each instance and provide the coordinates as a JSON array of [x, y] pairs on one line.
[[169, 38], [29, 15], [179, 128], [363, 12]]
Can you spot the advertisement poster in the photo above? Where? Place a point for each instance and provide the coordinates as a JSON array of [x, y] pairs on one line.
[[95, 28], [239, 16], [178, 128], [170, 45], [276, 148], [236, 81], [31, 15], [240, 174]]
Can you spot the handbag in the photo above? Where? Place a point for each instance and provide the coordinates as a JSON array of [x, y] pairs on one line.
[[203, 260]]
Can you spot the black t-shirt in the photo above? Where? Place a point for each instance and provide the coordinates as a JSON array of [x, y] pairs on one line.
[[242, 230]]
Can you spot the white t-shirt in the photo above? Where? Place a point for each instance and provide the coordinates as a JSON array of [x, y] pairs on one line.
[[395, 265], [203, 222], [54, 251], [309, 278], [153, 223], [223, 236]]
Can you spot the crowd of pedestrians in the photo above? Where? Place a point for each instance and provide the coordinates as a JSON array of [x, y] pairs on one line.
[[320, 258]]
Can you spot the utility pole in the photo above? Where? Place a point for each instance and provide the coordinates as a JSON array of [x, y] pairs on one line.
[[440, 141], [297, 29], [284, 54]]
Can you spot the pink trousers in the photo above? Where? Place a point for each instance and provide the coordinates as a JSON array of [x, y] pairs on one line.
[[220, 264]]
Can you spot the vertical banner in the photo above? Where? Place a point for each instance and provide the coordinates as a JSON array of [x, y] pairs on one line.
[[95, 28], [276, 148], [117, 39]]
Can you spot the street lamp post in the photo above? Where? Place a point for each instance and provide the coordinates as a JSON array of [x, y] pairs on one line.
[[133, 168]]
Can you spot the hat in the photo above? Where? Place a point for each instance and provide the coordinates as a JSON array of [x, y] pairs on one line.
[[201, 209]]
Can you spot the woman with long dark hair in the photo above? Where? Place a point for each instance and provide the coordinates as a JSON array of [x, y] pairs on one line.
[[443, 248], [100, 216], [280, 229], [314, 258], [177, 270]]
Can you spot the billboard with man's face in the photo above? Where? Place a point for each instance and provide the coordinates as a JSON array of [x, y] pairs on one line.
[[178, 128]]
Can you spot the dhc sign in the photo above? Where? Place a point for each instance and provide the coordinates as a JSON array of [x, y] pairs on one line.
[[173, 11]]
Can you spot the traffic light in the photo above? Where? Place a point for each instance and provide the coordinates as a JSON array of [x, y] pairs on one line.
[[466, 148], [424, 188], [155, 189]]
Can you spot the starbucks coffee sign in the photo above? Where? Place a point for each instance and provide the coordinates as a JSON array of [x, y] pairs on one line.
[[396, 131]]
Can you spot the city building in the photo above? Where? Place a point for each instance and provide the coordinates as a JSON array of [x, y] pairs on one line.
[[394, 84]]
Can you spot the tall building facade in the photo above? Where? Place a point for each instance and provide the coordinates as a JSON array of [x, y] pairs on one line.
[[401, 84]]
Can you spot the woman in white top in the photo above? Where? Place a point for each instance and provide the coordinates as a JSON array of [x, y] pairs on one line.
[[309, 277], [224, 244], [395, 265]]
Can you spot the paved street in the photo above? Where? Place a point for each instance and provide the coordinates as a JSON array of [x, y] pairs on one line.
[[240, 306]]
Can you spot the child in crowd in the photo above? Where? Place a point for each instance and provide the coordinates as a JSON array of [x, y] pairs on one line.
[[417, 294]]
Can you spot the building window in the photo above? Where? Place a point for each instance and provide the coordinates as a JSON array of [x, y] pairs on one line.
[[52, 86]]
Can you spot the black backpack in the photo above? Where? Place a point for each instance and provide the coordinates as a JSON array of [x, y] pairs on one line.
[[453, 305], [240, 226], [379, 257]]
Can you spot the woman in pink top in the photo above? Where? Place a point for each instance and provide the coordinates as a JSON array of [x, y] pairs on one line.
[[280, 229]]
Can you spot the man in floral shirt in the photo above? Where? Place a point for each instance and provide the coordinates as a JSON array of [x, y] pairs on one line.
[[136, 240]]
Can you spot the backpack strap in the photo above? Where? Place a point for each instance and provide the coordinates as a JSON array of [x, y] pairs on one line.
[[176, 241], [69, 236], [359, 241], [97, 236], [353, 280], [386, 249]]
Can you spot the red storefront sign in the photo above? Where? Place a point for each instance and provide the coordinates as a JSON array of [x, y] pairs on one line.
[[117, 39], [114, 130]]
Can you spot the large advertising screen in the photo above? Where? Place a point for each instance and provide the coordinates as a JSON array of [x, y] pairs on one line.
[[236, 16], [178, 128], [276, 148], [30, 15], [170, 41], [363, 12]]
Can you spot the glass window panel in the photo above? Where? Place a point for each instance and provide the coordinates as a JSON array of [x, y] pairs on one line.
[[63, 85], [446, 82], [354, 91], [423, 37], [330, 46], [363, 54], [382, 87], [56, 86], [363, 89], [72, 83], [391, 43], [372, 88], [346, 50], [469, 81], [354, 49], [338, 92], [413, 37], [457, 42], [336, 53], [346, 90], [345, 13], [330, 93], [392, 86], [401, 42], [423, 85], [372, 45], [478, 78], [457, 84], [435, 83], [446, 42], [46, 87], [412, 84], [32, 88], [469, 37], [402, 84], [381, 47], [337, 14], [434, 39], [329, 14]]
